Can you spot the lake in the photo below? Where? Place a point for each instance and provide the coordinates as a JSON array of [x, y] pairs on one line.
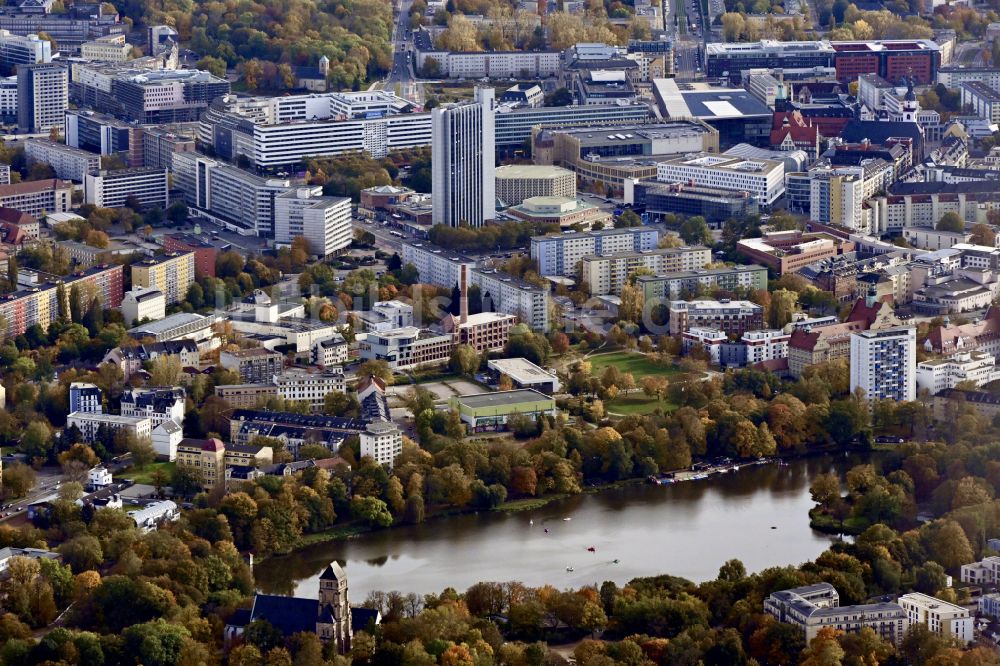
[[758, 514]]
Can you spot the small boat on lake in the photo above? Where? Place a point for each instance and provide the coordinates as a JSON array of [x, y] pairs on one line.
[[591, 550]]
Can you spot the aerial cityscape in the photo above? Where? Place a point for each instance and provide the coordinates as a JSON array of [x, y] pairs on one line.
[[500, 332]]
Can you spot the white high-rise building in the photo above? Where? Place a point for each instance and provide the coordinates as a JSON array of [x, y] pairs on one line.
[[42, 97], [884, 363], [325, 222], [382, 441], [941, 617], [463, 159]]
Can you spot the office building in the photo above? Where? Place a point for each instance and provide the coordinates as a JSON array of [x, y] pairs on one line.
[[69, 30], [940, 374], [940, 617], [67, 162], [150, 188], [141, 304], [107, 49], [8, 103], [817, 606], [484, 331], [603, 86], [171, 273], [790, 251], [381, 441], [408, 347], [159, 145], [204, 252], [714, 204], [764, 179], [325, 222], [280, 133], [157, 404], [616, 154], [883, 363], [559, 254], [463, 161], [953, 76], [738, 116], [27, 50], [42, 97], [514, 125], [730, 60], [240, 200], [517, 182], [22, 309], [211, 457], [89, 423], [483, 64], [254, 366], [296, 385], [84, 397], [488, 412], [607, 274], [105, 135], [728, 316], [675, 285]]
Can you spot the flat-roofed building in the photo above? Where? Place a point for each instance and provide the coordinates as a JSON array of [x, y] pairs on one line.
[[483, 412], [731, 317], [256, 365], [764, 179], [559, 254], [502, 292], [790, 251], [204, 252], [945, 619], [607, 274], [567, 212], [38, 196], [325, 222], [143, 304], [246, 396], [715, 204], [178, 326], [382, 441], [674, 285], [737, 115], [89, 422], [517, 182], [525, 374], [983, 98], [484, 331], [171, 273], [67, 162], [408, 347], [300, 385], [150, 188]]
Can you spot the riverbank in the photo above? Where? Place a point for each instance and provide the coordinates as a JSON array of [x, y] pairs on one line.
[[344, 532]]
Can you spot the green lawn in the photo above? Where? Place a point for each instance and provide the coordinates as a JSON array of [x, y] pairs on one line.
[[638, 403], [637, 364], [145, 475]]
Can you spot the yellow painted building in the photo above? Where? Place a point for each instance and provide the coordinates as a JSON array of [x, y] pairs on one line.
[[211, 457], [171, 273]]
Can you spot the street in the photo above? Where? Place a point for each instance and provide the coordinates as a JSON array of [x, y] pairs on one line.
[[401, 79]]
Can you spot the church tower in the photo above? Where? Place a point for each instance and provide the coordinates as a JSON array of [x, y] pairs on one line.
[[333, 622]]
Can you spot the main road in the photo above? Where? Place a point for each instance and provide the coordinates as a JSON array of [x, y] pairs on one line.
[[402, 79]]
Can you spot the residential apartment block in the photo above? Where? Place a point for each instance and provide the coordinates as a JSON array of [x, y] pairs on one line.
[[22, 309], [298, 385], [38, 197], [255, 366], [141, 304], [157, 404], [171, 273], [883, 363], [607, 274], [84, 397], [67, 162], [211, 457], [90, 422], [436, 265], [815, 607], [559, 254], [936, 375], [505, 293], [332, 352], [246, 396], [731, 317], [204, 252], [382, 441], [674, 285], [940, 617], [42, 97]]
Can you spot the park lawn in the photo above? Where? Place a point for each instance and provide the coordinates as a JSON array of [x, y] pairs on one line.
[[637, 403], [632, 362], [145, 475]]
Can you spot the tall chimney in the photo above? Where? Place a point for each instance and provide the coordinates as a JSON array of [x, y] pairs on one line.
[[463, 287]]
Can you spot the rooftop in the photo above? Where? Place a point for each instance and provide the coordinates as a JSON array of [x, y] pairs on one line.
[[501, 398], [171, 322], [532, 171], [521, 370], [706, 103]]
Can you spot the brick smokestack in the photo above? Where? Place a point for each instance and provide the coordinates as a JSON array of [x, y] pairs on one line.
[[463, 287]]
